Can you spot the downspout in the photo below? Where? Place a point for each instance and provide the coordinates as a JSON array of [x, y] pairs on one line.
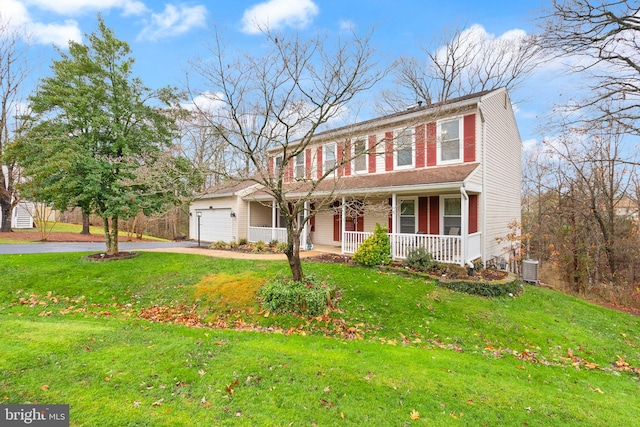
[[483, 249], [343, 216], [465, 229]]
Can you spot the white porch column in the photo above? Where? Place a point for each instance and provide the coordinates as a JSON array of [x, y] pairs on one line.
[[274, 217], [344, 217], [248, 220], [394, 223], [305, 229], [464, 226]]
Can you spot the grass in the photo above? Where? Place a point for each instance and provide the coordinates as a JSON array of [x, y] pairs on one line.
[[424, 355], [60, 227]]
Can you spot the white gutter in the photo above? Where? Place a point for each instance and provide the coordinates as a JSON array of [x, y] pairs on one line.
[[465, 228]]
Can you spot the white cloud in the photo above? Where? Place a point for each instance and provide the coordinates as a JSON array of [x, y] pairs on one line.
[[59, 34], [79, 7], [174, 21], [275, 14], [347, 25], [529, 145], [210, 102]]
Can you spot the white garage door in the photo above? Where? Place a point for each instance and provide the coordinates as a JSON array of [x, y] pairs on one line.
[[215, 225]]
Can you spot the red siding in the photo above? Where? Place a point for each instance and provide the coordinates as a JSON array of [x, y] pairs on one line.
[[288, 174], [372, 153], [470, 138], [307, 163], [473, 213], [423, 219], [420, 146], [388, 151], [319, 172], [432, 151], [434, 215]]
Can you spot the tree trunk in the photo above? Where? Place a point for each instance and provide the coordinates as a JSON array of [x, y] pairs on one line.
[[293, 254], [85, 224], [112, 248], [5, 208], [107, 234]]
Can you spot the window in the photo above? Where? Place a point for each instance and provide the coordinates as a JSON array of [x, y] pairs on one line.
[[404, 148], [452, 216], [450, 147], [278, 166], [408, 216], [300, 166], [329, 157], [359, 155]]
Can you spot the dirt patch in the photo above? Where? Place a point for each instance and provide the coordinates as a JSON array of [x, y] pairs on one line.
[[34, 236]]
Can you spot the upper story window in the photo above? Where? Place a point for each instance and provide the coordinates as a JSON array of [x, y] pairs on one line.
[[449, 136], [404, 148], [299, 170], [359, 155], [278, 165], [329, 157]]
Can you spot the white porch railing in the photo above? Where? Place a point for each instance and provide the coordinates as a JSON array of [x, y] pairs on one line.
[[267, 234], [443, 248]]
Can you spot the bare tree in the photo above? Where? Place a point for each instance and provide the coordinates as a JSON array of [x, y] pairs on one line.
[[13, 71], [277, 103], [460, 63], [601, 39]]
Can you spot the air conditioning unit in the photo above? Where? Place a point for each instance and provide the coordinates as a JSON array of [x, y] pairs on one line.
[[530, 271]]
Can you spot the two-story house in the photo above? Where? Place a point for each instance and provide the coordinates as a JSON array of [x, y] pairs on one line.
[[443, 176]]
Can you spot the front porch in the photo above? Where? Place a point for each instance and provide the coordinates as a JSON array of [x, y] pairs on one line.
[[445, 223]]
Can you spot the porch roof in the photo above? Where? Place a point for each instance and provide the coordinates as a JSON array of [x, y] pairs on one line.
[[432, 178]]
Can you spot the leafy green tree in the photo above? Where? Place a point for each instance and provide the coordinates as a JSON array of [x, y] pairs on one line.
[[99, 139]]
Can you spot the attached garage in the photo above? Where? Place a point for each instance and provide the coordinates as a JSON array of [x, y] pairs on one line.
[[215, 224]]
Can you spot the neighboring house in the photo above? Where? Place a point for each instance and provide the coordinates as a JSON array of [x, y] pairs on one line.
[[627, 208], [443, 176], [21, 215]]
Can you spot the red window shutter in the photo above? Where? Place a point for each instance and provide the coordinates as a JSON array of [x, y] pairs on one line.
[[336, 228], [470, 138], [420, 134], [423, 220], [347, 156], [388, 152], [271, 169], [390, 217], [319, 172], [432, 151], [372, 153], [339, 152], [473, 213], [434, 215], [307, 163]]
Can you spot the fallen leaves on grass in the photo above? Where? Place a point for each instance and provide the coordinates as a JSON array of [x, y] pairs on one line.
[[180, 314], [415, 415]]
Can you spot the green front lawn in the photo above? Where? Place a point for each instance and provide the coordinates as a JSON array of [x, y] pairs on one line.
[[398, 351]]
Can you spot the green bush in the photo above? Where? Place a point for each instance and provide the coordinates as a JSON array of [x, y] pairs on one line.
[[485, 289], [281, 247], [291, 297], [421, 260], [242, 242], [375, 250]]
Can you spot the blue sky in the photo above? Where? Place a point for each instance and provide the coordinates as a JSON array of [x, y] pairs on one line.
[[165, 35]]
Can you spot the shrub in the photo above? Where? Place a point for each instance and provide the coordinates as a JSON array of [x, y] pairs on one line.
[[292, 297], [421, 260], [273, 243], [485, 289], [259, 246], [375, 250], [232, 244], [218, 245], [281, 247], [242, 242]]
